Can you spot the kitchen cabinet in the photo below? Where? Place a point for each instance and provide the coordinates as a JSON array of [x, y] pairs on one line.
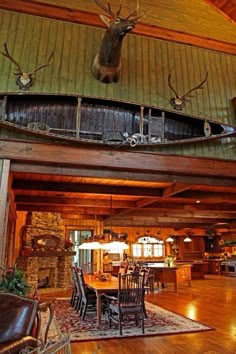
[[193, 250], [212, 244], [213, 266]]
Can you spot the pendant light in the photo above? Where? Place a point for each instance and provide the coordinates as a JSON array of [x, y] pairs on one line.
[[113, 244], [91, 244], [170, 239], [187, 239]]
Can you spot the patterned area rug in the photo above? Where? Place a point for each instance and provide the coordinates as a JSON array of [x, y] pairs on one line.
[[159, 322]]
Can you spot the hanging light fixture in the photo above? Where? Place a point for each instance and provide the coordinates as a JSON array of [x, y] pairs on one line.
[[98, 242], [91, 244], [113, 244], [189, 233], [187, 239], [170, 239]]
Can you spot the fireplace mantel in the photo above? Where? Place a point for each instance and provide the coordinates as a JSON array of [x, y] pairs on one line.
[[50, 254]]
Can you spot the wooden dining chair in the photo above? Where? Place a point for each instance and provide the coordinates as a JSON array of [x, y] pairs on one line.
[[74, 294], [123, 268], [76, 298], [88, 296], [129, 304]]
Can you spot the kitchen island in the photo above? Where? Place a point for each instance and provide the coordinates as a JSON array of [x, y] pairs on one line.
[[176, 274]]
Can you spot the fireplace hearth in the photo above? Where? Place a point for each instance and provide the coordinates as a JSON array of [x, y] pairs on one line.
[[44, 259]]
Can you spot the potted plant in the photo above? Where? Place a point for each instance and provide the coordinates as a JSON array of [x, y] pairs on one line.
[[13, 281], [68, 244], [170, 260]]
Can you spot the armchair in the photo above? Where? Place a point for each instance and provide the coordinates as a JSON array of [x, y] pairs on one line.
[[20, 322]]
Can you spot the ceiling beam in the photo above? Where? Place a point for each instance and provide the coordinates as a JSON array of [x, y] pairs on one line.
[[210, 197], [108, 158], [78, 202], [122, 175], [119, 204], [157, 221], [175, 188], [84, 188]]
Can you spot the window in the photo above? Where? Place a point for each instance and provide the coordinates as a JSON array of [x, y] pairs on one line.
[[148, 246]]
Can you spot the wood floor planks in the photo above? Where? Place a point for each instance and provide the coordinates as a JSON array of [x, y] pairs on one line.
[[211, 301]]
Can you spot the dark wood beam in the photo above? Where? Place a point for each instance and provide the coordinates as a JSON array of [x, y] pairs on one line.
[[78, 202], [187, 214], [17, 166], [116, 160], [84, 188], [169, 207], [56, 12], [175, 188], [210, 197], [62, 209], [156, 221]]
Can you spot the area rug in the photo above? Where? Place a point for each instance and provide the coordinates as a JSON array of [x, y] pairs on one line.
[[159, 322]]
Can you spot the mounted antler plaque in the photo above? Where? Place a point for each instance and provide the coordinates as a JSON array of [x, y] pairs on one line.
[[24, 79], [178, 102], [107, 63]]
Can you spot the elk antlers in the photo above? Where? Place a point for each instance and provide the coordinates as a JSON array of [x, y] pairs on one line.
[[24, 79], [133, 16], [178, 102]]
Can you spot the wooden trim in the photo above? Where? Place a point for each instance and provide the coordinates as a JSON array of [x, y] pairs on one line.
[[75, 16], [111, 159], [4, 208]]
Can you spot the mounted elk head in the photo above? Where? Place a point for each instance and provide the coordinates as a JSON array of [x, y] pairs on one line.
[[24, 80], [178, 102], [107, 63]]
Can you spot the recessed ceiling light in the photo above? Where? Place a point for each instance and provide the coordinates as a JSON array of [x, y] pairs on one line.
[[198, 201]]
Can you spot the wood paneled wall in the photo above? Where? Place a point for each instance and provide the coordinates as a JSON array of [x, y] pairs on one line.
[[144, 80]]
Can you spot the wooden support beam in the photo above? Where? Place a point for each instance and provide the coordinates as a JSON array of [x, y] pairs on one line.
[[85, 188], [157, 221], [17, 166], [117, 160], [78, 202], [4, 203], [175, 188]]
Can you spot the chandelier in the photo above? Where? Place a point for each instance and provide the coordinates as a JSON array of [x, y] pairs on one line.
[[108, 240]]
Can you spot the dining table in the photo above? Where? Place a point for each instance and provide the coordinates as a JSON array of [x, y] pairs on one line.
[[100, 287]]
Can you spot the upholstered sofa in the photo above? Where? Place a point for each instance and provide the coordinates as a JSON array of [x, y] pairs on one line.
[[20, 322]]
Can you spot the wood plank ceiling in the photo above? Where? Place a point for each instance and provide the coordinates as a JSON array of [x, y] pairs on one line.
[[163, 200], [132, 198], [205, 23]]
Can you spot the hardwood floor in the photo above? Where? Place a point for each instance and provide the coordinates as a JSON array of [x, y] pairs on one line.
[[211, 301]]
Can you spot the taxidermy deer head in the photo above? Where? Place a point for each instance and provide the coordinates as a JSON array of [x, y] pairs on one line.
[[24, 80], [178, 102], [107, 63]]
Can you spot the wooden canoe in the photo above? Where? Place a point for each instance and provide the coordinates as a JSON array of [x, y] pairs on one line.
[[98, 121]]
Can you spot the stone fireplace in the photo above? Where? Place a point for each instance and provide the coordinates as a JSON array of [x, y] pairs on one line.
[[44, 259]]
